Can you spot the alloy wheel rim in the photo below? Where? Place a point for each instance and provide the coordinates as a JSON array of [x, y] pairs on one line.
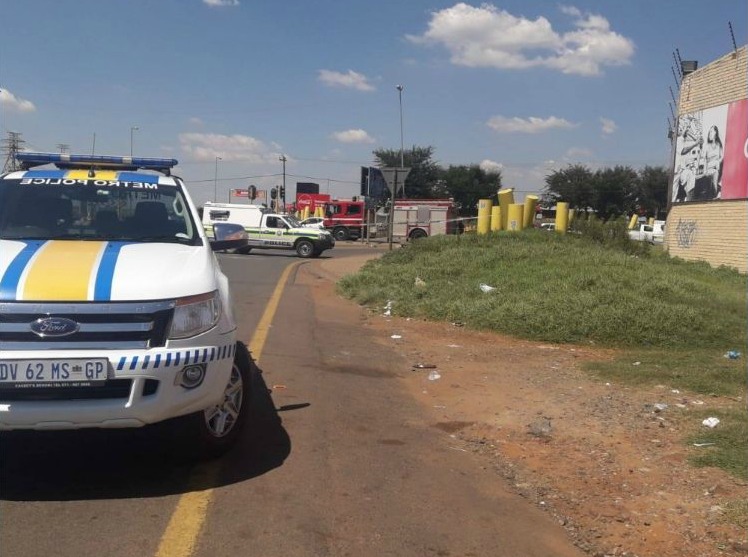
[[221, 418]]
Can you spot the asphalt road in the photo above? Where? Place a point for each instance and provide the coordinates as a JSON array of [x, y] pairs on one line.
[[338, 459]]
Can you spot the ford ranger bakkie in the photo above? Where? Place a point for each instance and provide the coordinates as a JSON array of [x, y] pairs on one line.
[[114, 311]]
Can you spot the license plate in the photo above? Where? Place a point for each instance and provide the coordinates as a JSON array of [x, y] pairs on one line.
[[53, 373]]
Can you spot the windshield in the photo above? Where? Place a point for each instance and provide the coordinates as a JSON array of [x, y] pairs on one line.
[[85, 210], [293, 221]]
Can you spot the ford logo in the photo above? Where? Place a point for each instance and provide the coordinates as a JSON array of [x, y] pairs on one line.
[[54, 327]]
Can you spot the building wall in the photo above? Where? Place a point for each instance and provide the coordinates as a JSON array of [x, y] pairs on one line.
[[723, 81], [715, 231]]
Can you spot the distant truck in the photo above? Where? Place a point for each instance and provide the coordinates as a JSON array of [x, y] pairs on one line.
[[419, 218], [268, 230], [346, 219], [650, 233]]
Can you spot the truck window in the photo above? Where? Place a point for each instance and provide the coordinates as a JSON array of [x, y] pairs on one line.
[[219, 215], [354, 209]]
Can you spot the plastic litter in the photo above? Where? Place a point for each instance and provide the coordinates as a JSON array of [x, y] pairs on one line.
[[420, 283], [424, 366], [703, 444], [636, 364], [388, 309], [434, 375], [486, 288], [659, 407], [396, 336], [458, 323], [278, 387], [732, 354], [711, 422]]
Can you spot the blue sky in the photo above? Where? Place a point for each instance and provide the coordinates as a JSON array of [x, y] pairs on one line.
[[524, 86]]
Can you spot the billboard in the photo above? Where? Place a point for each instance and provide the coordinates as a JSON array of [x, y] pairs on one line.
[[373, 184], [711, 154]]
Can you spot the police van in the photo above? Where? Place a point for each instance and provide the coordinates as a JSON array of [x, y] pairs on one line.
[[268, 230], [113, 309]]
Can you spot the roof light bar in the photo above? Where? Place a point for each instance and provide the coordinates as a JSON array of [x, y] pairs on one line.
[[66, 160]]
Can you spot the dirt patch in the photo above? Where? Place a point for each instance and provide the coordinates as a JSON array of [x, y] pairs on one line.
[[601, 457]]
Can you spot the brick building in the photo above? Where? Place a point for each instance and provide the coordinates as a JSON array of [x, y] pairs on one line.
[[708, 217]]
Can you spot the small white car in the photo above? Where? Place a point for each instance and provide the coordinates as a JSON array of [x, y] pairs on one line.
[[314, 222]]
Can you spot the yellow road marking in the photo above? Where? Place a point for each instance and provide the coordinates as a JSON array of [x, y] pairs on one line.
[[263, 327], [186, 522]]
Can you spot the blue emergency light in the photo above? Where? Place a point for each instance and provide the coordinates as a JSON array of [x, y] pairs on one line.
[[66, 160]]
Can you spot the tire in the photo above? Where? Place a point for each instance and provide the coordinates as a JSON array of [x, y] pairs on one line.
[[304, 248], [213, 431], [417, 234], [341, 234]]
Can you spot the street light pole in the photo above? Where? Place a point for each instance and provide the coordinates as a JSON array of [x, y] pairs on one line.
[[283, 159], [132, 129], [402, 155], [215, 181]]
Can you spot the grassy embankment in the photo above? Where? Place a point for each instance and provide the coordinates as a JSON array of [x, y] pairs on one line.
[[676, 318]]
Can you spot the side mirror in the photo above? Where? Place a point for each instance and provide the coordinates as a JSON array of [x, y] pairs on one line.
[[228, 236]]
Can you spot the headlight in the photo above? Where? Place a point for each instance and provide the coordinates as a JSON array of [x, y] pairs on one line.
[[195, 314]]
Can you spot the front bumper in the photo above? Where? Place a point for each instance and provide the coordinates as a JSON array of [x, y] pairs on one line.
[[140, 389]]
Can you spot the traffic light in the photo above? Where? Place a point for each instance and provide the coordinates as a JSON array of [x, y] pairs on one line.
[[273, 193], [282, 192], [252, 191]]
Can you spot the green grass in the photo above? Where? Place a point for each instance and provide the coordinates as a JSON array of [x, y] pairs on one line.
[[676, 318], [730, 439], [561, 289]]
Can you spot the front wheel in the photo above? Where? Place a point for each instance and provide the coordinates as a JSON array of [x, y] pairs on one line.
[[341, 234], [417, 234], [304, 248], [214, 430]]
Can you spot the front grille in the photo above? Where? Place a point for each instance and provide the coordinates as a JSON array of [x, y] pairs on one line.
[[118, 325], [111, 389]]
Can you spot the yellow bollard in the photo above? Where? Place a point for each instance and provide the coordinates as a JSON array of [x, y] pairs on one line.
[[562, 217], [572, 214], [305, 212], [531, 201], [515, 214], [484, 216], [633, 221], [495, 218], [506, 198], [651, 221]]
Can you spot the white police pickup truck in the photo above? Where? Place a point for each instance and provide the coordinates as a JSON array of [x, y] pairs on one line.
[[113, 309], [268, 230]]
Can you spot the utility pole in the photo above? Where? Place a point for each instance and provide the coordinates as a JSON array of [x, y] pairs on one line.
[[283, 159], [63, 147], [11, 147]]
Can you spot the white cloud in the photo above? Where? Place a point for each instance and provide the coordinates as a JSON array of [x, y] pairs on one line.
[[15, 104], [195, 121], [487, 165], [532, 124], [350, 80], [220, 3], [578, 153], [608, 126], [207, 146], [353, 136], [487, 36]]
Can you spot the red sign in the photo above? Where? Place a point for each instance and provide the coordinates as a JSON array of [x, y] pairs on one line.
[[240, 193]]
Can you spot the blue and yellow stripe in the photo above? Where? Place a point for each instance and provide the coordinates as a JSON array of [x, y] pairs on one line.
[[61, 270]]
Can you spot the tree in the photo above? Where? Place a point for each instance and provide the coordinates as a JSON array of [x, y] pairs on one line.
[[573, 184], [423, 180], [614, 191], [652, 191], [467, 184]]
